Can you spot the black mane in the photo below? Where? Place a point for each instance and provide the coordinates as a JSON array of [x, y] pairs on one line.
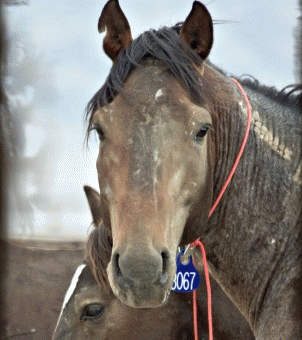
[[290, 95], [166, 46], [163, 45]]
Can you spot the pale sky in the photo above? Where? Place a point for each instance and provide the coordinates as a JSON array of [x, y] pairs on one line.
[[258, 41]]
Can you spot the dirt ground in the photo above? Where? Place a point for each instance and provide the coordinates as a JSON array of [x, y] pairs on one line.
[[38, 276]]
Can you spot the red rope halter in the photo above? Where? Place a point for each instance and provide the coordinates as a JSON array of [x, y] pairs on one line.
[[197, 242]]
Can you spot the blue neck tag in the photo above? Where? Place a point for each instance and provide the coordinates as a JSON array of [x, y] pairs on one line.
[[187, 277]]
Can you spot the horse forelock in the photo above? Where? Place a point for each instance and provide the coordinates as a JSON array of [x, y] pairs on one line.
[[98, 254], [164, 46]]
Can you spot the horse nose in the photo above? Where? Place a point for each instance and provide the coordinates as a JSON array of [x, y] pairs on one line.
[[148, 267]]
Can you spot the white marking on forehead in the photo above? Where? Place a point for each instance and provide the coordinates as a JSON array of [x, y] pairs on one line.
[[155, 155], [70, 291], [159, 93], [73, 285]]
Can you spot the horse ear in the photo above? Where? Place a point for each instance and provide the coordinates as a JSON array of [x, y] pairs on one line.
[[94, 202], [197, 30], [118, 33]]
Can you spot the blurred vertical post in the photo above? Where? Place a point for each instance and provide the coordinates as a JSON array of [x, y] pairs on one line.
[[4, 160], [3, 165], [298, 60], [299, 45]]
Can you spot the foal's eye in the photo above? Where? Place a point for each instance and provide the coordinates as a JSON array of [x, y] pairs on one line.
[[201, 133], [99, 131], [92, 312]]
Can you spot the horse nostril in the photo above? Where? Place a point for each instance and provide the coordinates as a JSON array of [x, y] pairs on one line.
[[165, 261], [115, 263]]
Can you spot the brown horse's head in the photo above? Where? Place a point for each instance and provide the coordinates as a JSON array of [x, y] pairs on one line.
[[154, 163], [91, 311]]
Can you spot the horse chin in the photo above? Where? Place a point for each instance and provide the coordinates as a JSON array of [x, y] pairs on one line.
[[145, 298], [140, 295]]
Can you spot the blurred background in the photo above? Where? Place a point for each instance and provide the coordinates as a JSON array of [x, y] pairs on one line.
[[56, 64]]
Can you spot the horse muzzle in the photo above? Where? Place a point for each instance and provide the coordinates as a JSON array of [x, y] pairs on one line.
[[141, 280]]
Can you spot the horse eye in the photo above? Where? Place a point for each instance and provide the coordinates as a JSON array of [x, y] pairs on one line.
[[92, 311], [201, 134], [99, 131]]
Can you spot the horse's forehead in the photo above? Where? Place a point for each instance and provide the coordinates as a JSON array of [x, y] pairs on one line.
[[151, 94], [150, 89], [145, 82]]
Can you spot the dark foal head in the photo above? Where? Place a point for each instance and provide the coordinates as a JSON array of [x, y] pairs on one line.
[[91, 311], [154, 163]]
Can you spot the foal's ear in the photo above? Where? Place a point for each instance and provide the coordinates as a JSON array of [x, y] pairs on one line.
[[94, 202], [197, 30], [118, 33]]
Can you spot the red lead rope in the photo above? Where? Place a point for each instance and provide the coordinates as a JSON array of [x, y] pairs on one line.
[[197, 242]]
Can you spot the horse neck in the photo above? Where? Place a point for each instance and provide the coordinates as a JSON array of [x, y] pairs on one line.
[[253, 233], [227, 320]]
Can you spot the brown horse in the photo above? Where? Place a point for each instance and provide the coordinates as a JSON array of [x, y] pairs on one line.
[[170, 126], [91, 311]]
